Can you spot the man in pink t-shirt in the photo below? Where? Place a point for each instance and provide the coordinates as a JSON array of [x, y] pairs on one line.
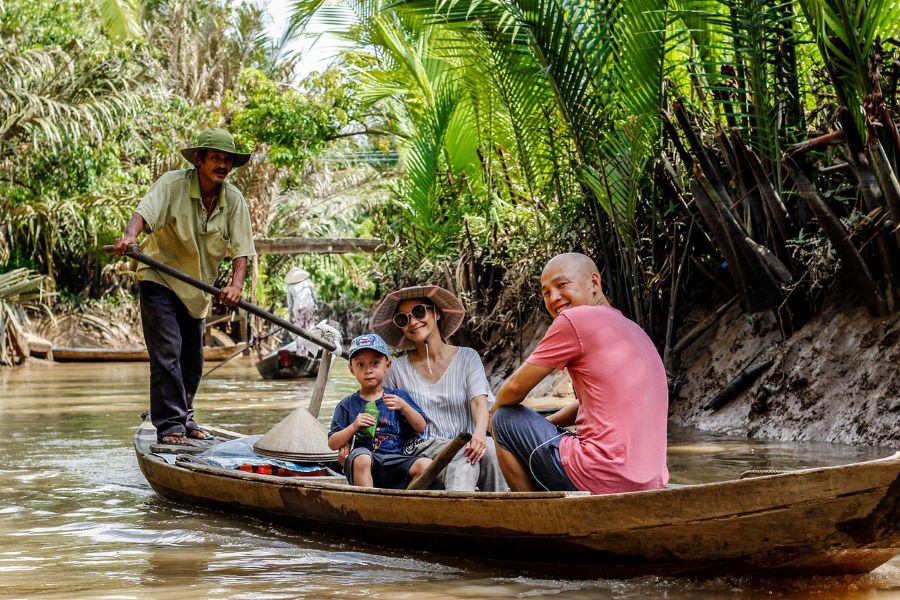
[[620, 414]]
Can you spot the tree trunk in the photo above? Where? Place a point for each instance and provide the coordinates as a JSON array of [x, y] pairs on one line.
[[837, 235]]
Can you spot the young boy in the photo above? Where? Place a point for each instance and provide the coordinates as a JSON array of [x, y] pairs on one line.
[[377, 460]]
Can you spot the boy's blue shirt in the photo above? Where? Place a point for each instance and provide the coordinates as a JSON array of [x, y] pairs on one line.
[[392, 429]]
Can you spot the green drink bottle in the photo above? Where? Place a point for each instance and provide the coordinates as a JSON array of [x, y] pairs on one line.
[[371, 409]]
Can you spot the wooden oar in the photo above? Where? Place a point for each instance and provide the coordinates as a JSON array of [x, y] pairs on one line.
[[440, 462], [135, 253]]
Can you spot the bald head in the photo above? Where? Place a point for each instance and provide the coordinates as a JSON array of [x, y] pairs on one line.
[[573, 262], [569, 280]]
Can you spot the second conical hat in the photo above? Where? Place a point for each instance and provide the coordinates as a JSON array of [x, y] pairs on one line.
[[299, 437]]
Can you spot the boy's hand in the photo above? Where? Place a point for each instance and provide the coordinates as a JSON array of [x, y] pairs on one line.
[[394, 402], [364, 420]]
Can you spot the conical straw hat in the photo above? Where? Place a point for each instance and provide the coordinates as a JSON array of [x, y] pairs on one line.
[[299, 437], [452, 313]]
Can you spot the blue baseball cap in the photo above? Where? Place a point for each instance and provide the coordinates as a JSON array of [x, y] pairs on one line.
[[370, 341]]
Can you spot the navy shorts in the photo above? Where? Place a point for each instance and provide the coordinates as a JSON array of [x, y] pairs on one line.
[[388, 470], [535, 442]]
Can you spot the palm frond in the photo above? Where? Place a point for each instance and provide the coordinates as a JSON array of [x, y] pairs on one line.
[[122, 18]]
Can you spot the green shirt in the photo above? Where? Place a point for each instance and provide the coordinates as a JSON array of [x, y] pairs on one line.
[[185, 237]]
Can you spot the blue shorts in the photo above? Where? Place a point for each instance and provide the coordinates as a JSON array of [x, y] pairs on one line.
[[535, 442], [388, 470]]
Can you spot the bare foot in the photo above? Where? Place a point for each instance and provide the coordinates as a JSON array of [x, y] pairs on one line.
[[175, 439]]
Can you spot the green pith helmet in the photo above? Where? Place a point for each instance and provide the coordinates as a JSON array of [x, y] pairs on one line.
[[216, 139]]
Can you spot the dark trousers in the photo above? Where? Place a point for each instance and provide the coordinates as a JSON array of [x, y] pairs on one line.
[[175, 342]]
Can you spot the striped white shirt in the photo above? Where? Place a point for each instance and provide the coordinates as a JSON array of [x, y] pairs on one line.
[[446, 402]]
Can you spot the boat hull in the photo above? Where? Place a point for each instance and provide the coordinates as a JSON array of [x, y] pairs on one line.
[[831, 521], [69, 354]]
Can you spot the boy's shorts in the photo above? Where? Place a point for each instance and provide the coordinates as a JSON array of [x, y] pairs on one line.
[[388, 470], [535, 442]]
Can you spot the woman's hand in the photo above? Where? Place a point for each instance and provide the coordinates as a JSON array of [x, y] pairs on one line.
[[475, 449], [394, 402]]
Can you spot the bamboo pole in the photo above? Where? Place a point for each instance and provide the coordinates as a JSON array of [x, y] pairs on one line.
[[315, 402]]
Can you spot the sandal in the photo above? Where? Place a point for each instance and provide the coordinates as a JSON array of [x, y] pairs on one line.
[[200, 434]]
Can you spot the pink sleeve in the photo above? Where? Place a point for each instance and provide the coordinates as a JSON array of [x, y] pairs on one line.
[[559, 346]]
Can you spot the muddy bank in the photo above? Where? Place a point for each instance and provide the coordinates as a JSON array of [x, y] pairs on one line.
[[837, 379]]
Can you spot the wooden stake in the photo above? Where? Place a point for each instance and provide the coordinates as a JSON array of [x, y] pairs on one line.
[[315, 403], [440, 462]]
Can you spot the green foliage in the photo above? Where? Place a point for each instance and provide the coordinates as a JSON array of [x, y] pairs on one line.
[[844, 31], [98, 104], [68, 91], [556, 104], [293, 126]]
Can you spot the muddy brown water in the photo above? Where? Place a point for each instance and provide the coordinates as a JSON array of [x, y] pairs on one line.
[[78, 520]]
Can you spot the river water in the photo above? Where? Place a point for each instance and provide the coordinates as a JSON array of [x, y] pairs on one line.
[[78, 520]]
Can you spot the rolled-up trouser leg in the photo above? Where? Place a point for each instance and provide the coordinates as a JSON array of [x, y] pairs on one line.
[[163, 336]]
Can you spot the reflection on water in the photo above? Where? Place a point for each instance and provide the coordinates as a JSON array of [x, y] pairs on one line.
[[77, 519]]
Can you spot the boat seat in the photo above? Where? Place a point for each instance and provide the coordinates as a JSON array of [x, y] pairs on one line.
[[175, 449]]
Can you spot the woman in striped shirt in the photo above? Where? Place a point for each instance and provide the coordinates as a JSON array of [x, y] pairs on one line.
[[447, 381]]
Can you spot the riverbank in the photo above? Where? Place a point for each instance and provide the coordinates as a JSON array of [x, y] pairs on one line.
[[837, 379]]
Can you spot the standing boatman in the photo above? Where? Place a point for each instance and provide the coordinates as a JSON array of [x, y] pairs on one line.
[[192, 218], [301, 303]]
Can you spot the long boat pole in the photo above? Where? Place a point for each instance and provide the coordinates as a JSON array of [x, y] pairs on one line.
[[135, 253]]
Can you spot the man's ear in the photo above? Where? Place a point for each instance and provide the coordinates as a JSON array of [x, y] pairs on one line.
[[595, 282], [388, 364]]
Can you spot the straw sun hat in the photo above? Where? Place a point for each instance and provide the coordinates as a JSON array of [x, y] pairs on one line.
[[452, 313]]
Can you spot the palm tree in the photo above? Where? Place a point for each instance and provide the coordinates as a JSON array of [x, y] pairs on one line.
[[59, 104]]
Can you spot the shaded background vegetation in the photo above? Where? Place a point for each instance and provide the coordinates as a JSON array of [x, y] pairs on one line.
[[697, 149]]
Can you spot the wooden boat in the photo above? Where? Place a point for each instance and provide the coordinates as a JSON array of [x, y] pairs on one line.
[[69, 354], [284, 363], [830, 521]]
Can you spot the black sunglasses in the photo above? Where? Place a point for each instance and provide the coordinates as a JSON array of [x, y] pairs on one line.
[[401, 320]]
